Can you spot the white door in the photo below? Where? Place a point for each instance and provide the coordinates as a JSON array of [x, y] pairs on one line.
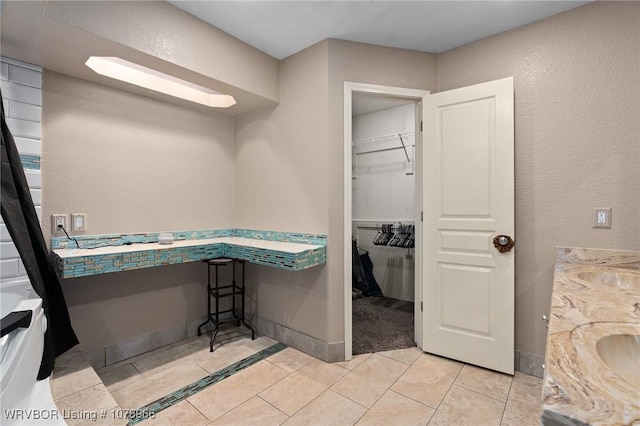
[[468, 200]]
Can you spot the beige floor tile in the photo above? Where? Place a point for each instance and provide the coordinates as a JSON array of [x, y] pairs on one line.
[[290, 359], [370, 380], [407, 355], [88, 402], [292, 393], [106, 418], [133, 359], [328, 409], [527, 379], [489, 383], [428, 379], [355, 361], [73, 378], [181, 413], [163, 383], [524, 405], [253, 412], [298, 389], [462, 407], [217, 400], [120, 377], [396, 409], [154, 363], [323, 372], [229, 353]]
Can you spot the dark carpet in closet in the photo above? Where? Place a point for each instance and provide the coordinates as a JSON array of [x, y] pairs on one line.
[[381, 324]]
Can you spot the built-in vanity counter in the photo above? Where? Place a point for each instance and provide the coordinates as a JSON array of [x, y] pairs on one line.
[[100, 254], [592, 372]]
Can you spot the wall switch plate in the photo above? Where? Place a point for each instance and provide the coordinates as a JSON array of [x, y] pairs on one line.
[[602, 218], [78, 222], [58, 220]]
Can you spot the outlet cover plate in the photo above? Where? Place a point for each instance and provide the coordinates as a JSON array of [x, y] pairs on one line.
[[58, 219], [602, 217]]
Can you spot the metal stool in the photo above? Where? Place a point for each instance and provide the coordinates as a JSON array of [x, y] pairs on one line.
[[217, 292]]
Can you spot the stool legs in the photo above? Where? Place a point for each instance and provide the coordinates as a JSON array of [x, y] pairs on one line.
[[216, 292], [208, 300]]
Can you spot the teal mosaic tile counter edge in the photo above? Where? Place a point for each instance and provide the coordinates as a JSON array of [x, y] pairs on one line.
[[283, 254]]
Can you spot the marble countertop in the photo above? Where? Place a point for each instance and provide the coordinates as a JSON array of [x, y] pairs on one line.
[[246, 242], [579, 387]]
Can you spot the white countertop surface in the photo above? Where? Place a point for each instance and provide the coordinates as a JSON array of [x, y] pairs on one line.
[[246, 242]]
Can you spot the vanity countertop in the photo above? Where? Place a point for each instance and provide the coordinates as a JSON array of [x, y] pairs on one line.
[[588, 306], [248, 242], [293, 256]]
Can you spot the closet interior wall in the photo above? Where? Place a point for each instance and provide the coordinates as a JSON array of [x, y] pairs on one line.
[[384, 192]]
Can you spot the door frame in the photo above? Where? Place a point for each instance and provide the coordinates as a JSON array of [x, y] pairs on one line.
[[416, 95]]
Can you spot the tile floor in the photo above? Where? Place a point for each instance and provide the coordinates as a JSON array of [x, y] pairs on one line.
[[398, 387]]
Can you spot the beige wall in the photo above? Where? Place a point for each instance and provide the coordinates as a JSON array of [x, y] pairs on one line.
[[281, 184], [133, 164], [577, 124], [360, 63], [289, 164]]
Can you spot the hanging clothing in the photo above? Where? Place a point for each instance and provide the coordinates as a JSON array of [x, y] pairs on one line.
[[19, 215], [374, 289], [362, 272]]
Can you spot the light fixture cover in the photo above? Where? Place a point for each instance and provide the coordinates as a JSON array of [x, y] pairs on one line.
[[129, 72]]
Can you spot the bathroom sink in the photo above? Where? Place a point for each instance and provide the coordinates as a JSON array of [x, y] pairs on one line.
[[624, 280], [621, 352]]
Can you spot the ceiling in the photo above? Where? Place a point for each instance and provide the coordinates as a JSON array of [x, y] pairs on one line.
[[60, 35], [282, 28]]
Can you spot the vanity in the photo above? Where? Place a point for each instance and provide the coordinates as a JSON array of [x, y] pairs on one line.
[[592, 362]]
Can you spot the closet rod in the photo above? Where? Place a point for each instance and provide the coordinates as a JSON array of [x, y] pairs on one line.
[[366, 147], [383, 138], [382, 149]]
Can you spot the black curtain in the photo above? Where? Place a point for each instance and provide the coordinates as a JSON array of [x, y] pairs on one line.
[[19, 215]]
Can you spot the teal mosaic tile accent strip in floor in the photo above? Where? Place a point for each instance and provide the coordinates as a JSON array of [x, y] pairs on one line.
[[165, 402]]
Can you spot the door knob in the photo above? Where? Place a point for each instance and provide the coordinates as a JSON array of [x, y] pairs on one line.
[[503, 243]]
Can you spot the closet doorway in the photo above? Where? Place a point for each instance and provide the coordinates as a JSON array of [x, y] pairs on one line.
[[384, 152]]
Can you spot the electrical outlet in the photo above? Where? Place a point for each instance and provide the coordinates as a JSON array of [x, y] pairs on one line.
[[602, 218], [57, 222], [78, 222]]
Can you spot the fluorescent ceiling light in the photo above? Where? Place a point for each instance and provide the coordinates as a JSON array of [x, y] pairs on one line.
[[129, 72]]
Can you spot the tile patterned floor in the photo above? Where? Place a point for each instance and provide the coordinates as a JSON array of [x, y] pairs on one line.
[[399, 387]]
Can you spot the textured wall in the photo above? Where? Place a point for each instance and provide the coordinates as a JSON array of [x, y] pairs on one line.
[[281, 184], [383, 190], [289, 172], [133, 164], [359, 63], [577, 124]]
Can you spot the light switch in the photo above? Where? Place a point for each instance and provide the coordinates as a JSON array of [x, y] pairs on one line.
[[78, 222]]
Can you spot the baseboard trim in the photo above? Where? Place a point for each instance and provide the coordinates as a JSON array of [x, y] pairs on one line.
[[101, 357], [528, 363]]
